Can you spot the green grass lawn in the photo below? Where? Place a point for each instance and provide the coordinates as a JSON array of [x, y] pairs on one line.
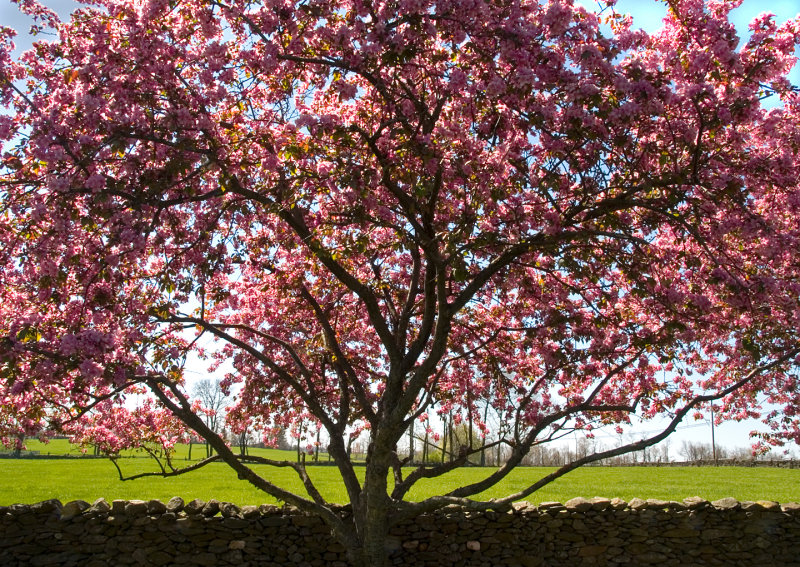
[[32, 480], [59, 447]]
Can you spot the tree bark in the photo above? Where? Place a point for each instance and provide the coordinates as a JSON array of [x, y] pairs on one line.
[[411, 443], [450, 432], [372, 512]]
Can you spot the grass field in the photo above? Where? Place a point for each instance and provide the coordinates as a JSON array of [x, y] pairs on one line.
[[60, 447], [33, 480]]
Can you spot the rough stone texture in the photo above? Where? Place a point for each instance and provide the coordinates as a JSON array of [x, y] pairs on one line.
[[194, 507], [175, 504], [74, 508], [100, 506], [156, 507], [726, 504], [211, 508], [583, 533], [136, 508], [579, 504]]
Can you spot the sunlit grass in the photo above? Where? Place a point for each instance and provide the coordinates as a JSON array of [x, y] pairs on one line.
[[32, 480], [182, 452]]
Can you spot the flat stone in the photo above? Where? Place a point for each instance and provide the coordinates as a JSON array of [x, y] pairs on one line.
[[680, 533], [175, 504], [47, 506], [237, 544], [551, 507], [230, 510], [235, 523], [250, 512], [118, 507], [194, 507], [54, 559], [136, 508], [208, 559], [19, 509], [570, 536], [529, 561], [302, 520], [74, 508], [637, 504], [159, 558], [168, 517], [791, 508], [100, 506], [592, 550], [156, 507], [726, 504], [579, 504], [211, 508], [769, 505], [618, 504], [272, 521], [600, 503], [656, 504], [695, 502], [473, 545]]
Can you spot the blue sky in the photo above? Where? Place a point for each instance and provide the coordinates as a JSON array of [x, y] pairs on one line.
[[647, 14]]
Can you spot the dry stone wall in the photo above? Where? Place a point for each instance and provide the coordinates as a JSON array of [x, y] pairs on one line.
[[581, 532]]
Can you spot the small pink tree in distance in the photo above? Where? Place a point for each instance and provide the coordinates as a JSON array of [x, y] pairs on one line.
[[382, 208]]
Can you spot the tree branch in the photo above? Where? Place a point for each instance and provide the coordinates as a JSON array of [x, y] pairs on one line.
[[459, 496]]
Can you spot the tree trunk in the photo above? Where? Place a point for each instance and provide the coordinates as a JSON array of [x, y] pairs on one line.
[[212, 424], [450, 430], [483, 448], [469, 432], [411, 444], [18, 447], [444, 441], [425, 449], [243, 443], [373, 553], [374, 514]]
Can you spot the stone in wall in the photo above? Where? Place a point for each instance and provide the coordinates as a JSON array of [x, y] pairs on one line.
[[581, 532]]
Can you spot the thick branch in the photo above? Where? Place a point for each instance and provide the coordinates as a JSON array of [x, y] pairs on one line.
[[460, 496], [311, 402], [182, 410], [341, 360]]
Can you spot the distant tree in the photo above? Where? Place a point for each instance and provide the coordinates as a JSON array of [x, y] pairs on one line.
[[213, 402], [281, 441], [693, 451], [663, 451]]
